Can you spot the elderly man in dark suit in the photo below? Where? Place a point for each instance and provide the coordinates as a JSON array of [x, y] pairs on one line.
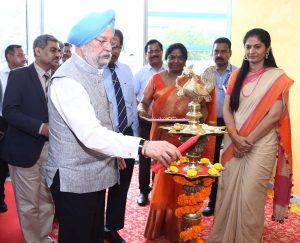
[[25, 143]]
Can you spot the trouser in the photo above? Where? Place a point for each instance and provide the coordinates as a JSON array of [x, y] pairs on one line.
[[3, 170], [3, 174], [144, 163], [81, 215], [214, 187], [117, 195], [33, 199], [116, 199]]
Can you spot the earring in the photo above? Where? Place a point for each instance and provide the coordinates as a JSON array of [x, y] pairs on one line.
[[267, 55], [245, 58]]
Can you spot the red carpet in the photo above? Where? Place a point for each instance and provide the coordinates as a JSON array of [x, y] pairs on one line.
[[136, 218], [10, 231]]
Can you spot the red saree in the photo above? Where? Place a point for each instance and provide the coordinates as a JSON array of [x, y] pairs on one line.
[[161, 218]]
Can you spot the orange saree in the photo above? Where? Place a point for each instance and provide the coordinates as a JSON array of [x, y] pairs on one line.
[[161, 218]]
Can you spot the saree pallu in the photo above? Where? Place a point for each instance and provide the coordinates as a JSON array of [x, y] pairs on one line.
[[239, 212], [163, 203]]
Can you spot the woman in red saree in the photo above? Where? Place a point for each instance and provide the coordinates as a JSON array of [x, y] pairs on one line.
[[162, 91], [256, 114]]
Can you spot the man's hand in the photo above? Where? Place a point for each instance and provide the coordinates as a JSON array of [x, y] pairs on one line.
[[121, 164], [45, 130], [163, 151]]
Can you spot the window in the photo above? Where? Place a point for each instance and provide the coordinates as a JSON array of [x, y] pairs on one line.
[[194, 23]]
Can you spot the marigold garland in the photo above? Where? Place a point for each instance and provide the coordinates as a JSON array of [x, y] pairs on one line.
[[192, 233], [208, 181], [179, 212], [184, 182], [192, 204], [198, 197]]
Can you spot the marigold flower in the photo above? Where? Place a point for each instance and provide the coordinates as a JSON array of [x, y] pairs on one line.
[[184, 159], [204, 160], [191, 173], [173, 169], [213, 171], [218, 166]]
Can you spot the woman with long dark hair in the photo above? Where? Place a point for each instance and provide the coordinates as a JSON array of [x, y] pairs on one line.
[[257, 119]]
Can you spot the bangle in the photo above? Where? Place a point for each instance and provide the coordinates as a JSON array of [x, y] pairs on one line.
[[231, 130], [141, 144]]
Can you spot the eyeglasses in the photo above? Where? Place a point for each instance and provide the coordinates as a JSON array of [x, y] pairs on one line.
[[103, 42], [154, 51]]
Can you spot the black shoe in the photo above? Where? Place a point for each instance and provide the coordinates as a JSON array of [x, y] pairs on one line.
[[142, 199], [113, 237], [208, 211], [3, 207]]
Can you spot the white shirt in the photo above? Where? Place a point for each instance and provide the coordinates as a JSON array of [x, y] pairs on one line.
[[3, 77], [73, 104], [141, 79]]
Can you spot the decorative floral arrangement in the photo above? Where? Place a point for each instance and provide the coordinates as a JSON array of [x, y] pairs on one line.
[[192, 203], [192, 233], [196, 198]]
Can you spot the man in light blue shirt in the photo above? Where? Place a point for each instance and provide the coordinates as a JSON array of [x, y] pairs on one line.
[[153, 53], [117, 195], [221, 54]]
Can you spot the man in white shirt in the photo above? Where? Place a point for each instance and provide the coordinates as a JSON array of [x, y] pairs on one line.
[[82, 143], [15, 58], [153, 53]]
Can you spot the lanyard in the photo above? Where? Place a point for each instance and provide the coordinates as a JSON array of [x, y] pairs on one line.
[[223, 85]]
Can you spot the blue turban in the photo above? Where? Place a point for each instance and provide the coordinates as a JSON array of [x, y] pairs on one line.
[[90, 26]]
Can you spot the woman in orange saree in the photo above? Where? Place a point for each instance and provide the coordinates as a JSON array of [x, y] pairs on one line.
[[162, 91], [256, 114]]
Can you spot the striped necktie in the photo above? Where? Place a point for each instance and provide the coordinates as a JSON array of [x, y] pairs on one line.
[[122, 116], [46, 77]]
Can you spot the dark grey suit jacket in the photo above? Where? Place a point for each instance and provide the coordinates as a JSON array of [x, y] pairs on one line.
[[25, 109]]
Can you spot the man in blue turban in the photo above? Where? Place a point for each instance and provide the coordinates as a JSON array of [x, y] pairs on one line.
[[82, 144]]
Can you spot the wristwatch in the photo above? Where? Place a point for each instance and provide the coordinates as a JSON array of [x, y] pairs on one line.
[[141, 144]]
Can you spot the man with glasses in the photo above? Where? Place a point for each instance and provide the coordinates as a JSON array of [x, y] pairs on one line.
[[117, 195], [83, 146], [15, 58], [25, 145], [220, 72], [153, 53]]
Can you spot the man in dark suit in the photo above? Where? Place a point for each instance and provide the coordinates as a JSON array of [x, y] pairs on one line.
[[25, 145], [15, 58]]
